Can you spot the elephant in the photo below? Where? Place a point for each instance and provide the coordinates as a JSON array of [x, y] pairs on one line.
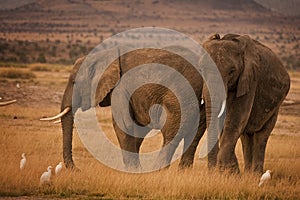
[[140, 103], [256, 83], [7, 102]]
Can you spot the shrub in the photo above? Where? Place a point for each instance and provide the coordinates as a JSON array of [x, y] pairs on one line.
[[15, 65], [41, 58], [17, 74], [40, 68]]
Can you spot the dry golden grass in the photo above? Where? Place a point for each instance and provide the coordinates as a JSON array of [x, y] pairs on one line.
[[42, 143], [21, 131]]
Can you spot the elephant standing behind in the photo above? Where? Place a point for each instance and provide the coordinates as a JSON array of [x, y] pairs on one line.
[[256, 83]]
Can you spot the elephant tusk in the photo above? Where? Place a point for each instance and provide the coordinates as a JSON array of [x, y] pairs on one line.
[[57, 121], [7, 102], [65, 111], [222, 109], [202, 101]]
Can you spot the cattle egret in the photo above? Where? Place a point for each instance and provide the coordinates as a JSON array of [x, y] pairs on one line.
[[18, 85], [23, 162], [58, 168], [264, 178], [45, 178]]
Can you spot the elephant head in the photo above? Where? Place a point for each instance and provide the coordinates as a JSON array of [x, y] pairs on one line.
[[236, 59], [79, 97], [256, 83]]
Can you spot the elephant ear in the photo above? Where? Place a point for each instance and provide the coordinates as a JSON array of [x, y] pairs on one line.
[[107, 82], [247, 77]]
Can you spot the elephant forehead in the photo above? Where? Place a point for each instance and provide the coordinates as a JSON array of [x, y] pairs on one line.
[[222, 51]]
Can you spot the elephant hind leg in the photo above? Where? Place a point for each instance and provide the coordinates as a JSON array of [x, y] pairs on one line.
[[247, 144], [260, 140], [130, 147], [187, 159]]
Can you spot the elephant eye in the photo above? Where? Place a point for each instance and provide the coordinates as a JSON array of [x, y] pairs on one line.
[[232, 70]]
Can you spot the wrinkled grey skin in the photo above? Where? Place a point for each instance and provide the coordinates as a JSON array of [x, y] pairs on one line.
[[140, 103], [256, 84]]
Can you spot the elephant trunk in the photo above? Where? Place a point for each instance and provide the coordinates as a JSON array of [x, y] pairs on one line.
[[67, 128], [215, 115], [212, 153]]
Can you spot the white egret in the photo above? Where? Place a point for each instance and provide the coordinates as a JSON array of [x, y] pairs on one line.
[[58, 168], [264, 178], [45, 178], [23, 162]]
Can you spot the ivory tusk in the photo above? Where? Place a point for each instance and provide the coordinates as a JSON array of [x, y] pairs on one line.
[[7, 102], [202, 101], [222, 108], [65, 111], [57, 121]]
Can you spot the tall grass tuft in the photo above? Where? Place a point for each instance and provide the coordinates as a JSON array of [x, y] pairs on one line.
[[17, 74]]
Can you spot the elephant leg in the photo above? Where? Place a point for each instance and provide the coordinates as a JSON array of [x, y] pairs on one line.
[[212, 156], [237, 116], [187, 159], [129, 147], [247, 144], [226, 157], [166, 154], [260, 143]]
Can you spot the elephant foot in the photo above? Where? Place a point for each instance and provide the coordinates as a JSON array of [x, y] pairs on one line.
[[71, 166], [212, 164], [231, 168], [258, 169], [185, 164], [132, 164]]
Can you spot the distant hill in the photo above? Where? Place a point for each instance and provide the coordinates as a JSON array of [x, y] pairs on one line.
[[62, 30], [13, 4], [286, 7]]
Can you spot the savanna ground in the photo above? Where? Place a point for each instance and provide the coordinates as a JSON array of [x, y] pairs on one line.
[[36, 51], [38, 96]]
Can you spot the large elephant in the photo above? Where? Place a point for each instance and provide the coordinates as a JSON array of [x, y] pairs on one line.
[[256, 84], [140, 103]]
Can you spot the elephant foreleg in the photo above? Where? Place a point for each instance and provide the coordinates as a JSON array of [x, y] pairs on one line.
[[212, 156], [226, 157], [247, 144], [237, 116], [260, 143]]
